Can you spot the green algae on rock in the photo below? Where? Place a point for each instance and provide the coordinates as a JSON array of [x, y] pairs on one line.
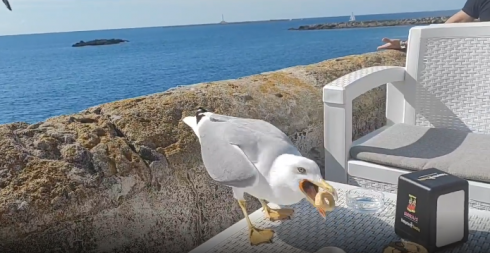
[[128, 176]]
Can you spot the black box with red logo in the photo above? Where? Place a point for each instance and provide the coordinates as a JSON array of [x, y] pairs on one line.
[[432, 209]]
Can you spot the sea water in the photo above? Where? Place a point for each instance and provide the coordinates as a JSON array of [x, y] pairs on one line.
[[43, 76]]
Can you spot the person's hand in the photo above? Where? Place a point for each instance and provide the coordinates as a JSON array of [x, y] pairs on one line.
[[390, 44]]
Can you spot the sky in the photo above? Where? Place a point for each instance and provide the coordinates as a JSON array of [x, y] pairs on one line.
[[42, 16]]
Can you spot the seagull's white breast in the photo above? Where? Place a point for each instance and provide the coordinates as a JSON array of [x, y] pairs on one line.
[[281, 195]]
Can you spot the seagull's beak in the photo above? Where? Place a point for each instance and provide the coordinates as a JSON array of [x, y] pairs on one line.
[[312, 188]]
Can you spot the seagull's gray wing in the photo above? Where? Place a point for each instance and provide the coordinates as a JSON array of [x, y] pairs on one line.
[[232, 147], [258, 126], [6, 2]]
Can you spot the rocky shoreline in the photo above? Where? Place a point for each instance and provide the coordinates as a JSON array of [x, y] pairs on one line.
[[374, 23], [99, 42], [127, 176]]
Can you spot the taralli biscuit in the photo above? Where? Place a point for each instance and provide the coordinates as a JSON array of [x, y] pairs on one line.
[[324, 200], [320, 199], [404, 247]]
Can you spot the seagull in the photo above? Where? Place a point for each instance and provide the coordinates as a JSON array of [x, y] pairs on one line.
[[253, 156], [6, 2]]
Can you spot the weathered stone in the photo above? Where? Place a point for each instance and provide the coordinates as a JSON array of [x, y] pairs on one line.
[[128, 176]]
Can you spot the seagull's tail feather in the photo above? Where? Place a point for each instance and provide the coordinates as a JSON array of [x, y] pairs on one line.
[[201, 112], [191, 121], [194, 121]]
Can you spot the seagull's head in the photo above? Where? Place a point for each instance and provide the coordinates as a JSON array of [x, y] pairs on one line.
[[303, 174]]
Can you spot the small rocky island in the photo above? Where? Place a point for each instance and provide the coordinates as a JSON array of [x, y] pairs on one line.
[[373, 23], [99, 42]]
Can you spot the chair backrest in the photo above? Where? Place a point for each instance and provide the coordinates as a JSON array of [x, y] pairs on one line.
[[448, 77]]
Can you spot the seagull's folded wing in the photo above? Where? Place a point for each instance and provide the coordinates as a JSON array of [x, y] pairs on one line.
[[225, 162], [232, 147]]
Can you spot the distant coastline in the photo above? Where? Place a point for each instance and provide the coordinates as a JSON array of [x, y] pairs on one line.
[[247, 22], [373, 23], [305, 19]]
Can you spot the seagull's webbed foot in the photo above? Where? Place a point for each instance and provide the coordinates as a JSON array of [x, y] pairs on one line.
[[257, 236], [276, 214]]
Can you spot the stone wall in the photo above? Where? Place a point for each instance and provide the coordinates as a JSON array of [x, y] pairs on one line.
[[127, 176]]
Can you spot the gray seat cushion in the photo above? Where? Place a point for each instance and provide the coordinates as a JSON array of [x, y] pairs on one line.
[[466, 155]]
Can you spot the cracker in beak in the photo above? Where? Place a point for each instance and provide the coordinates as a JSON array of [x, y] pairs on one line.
[[320, 194]]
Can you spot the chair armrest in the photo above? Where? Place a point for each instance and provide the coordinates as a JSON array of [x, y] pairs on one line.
[[347, 88], [337, 103]]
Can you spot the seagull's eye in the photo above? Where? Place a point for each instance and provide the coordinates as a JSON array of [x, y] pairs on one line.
[[301, 170]]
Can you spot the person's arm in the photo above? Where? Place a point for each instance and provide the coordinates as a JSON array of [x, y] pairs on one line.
[[461, 17], [470, 12]]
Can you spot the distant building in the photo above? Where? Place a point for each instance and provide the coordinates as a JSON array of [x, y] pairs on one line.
[[352, 17], [223, 22]]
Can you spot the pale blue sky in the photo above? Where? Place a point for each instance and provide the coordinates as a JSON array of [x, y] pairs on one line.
[[40, 16]]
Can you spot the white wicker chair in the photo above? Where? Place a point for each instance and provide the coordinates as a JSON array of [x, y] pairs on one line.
[[443, 93]]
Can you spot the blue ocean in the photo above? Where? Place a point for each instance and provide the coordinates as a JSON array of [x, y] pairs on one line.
[[43, 76]]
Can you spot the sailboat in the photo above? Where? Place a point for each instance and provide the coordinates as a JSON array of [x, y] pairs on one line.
[[352, 17]]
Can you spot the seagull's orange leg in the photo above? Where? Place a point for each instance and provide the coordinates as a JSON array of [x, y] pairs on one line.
[[257, 236], [276, 214]]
